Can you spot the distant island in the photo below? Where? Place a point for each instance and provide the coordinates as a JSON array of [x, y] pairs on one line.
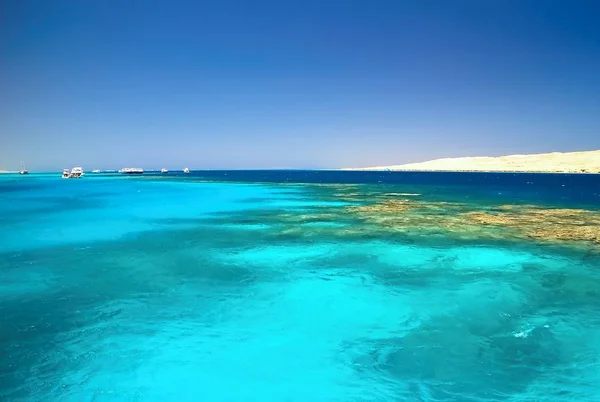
[[555, 162]]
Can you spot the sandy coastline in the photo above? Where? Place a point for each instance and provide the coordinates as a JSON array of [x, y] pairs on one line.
[[555, 162]]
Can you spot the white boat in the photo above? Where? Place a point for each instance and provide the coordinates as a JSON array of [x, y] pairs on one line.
[[23, 170], [132, 171], [75, 173], [163, 170], [96, 171], [186, 170]]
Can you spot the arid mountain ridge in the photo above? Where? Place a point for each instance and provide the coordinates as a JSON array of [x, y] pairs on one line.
[[555, 162]]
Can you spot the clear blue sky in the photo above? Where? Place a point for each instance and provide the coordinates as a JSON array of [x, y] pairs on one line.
[[252, 84]]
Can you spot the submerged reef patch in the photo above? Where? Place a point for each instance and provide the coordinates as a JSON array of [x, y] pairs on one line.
[[418, 216], [545, 224]]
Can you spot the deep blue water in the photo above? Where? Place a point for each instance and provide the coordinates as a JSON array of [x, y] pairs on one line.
[[582, 189], [218, 286]]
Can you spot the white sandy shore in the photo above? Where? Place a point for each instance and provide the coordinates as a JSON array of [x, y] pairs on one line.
[[556, 162]]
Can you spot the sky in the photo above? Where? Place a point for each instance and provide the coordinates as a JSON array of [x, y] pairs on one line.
[[294, 84]]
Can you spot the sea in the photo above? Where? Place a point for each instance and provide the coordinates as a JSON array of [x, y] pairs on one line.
[[299, 286]]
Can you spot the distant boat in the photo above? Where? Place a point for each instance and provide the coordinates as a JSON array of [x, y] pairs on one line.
[[186, 170], [96, 171], [132, 171], [75, 173], [163, 170], [23, 170]]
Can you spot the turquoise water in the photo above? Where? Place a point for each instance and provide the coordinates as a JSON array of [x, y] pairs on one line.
[[187, 289]]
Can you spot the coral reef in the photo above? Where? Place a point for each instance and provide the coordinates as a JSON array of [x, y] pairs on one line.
[[547, 224], [468, 221]]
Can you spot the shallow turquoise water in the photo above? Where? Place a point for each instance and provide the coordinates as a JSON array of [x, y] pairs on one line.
[[138, 289]]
